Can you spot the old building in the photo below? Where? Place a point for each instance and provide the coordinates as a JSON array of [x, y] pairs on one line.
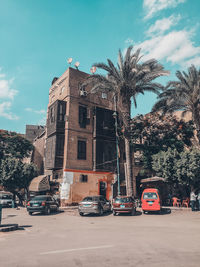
[[80, 144], [33, 131]]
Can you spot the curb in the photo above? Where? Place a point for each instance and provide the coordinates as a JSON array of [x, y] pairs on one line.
[[8, 227]]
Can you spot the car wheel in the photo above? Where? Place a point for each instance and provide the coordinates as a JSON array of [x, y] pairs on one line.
[[145, 212], [47, 211], [133, 212], [114, 213], [81, 213], [30, 213]]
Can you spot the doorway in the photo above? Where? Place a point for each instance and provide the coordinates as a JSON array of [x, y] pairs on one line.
[[102, 188]]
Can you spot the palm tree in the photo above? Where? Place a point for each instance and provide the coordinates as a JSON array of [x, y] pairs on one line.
[[184, 95], [126, 81]]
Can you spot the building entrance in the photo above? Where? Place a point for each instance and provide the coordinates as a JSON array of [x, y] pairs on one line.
[[102, 188]]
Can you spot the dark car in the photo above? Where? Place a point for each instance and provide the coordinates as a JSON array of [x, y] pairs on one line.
[[44, 204], [94, 204], [124, 204]]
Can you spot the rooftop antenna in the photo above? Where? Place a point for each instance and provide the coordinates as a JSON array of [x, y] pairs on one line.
[[93, 69], [77, 64], [69, 61]]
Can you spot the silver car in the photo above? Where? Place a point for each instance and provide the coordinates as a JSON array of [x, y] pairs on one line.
[[94, 204], [6, 200]]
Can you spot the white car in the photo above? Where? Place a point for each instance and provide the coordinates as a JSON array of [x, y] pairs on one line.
[[6, 200]]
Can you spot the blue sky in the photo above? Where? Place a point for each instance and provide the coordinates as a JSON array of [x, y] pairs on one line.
[[37, 37]]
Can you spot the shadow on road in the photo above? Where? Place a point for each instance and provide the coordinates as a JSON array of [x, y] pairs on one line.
[[22, 227], [97, 215], [164, 211], [42, 214], [138, 213]]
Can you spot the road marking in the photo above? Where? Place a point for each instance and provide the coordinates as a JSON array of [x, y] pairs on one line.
[[75, 249]]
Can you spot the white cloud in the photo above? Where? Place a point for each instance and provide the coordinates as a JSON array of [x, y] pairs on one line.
[[5, 88], [42, 111], [5, 111], [6, 92], [151, 7], [175, 47], [193, 61], [162, 25]]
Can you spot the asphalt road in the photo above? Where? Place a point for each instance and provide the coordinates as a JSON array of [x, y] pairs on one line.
[[66, 239]]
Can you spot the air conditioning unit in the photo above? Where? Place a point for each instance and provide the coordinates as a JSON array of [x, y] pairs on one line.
[[83, 93]]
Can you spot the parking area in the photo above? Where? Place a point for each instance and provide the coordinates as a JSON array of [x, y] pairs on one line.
[[66, 239]]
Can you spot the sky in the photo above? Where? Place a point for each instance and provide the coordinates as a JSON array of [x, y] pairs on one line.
[[38, 36]]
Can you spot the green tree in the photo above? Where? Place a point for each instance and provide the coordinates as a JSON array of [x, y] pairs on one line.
[[126, 80], [188, 168], [16, 175], [184, 95], [153, 133], [164, 164], [14, 145], [178, 168]]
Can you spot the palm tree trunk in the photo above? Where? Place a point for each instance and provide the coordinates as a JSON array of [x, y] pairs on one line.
[[129, 180], [125, 108]]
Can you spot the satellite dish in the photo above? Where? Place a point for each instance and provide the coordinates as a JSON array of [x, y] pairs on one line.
[[69, 60], [77, 64], [93, 70]]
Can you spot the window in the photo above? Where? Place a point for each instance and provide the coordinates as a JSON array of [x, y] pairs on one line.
[[81, 149], [82, 116], [150, 196], [83, 178], [62, 90], [104, 96], [51, 115], [61, 112]]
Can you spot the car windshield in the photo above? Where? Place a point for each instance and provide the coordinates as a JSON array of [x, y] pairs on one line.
[[91, 199], [39, 198], [5, 197], [150, 196], [123, 199]]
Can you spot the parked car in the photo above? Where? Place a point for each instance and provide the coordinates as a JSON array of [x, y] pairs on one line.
[[6, 199], [124, 204], [44, 204], [94, 204], [151, 200]]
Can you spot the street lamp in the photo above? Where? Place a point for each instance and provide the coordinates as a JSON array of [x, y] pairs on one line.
[[115, 117]]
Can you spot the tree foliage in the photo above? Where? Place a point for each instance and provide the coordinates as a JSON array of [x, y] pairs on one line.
[[14, 145], [184, 95], [179, 168], [14, 174], [153, 133]]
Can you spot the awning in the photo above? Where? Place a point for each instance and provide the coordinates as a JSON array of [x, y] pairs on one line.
[[39, 183], [152, 179]]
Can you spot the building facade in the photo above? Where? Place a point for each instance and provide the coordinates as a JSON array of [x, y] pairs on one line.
[[81, 142]]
